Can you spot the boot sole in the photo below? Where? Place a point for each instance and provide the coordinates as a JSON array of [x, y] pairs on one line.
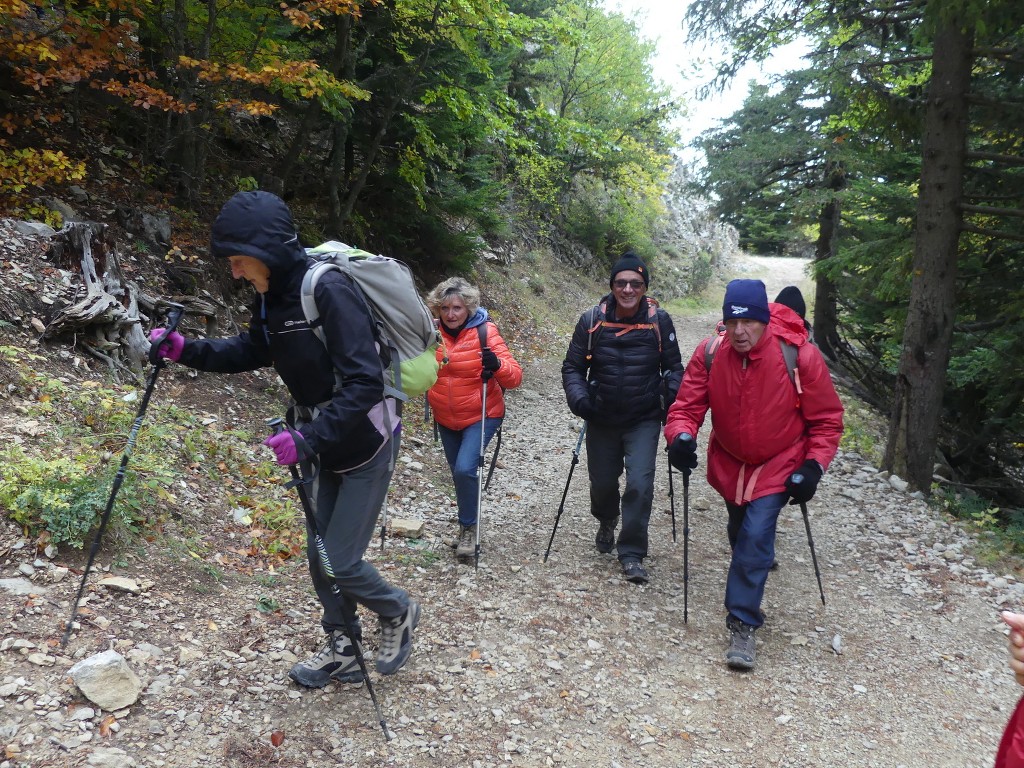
[[735, 662], [319, 681]]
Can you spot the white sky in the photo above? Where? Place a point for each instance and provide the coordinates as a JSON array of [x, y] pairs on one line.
[[686, 68]]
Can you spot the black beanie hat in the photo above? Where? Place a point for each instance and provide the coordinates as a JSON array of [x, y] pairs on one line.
[[791, 297], [630, 262], [746, 300]]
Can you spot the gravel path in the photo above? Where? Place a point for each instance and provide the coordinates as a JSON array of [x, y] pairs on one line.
[[525, 663]]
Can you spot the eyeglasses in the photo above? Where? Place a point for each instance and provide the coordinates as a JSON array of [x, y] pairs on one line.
[[636, 285]]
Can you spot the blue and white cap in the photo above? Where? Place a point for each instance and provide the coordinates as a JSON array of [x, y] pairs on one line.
[[746, 299]]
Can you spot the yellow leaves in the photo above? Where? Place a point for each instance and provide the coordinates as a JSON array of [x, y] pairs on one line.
[[176, 254], [23, 168]]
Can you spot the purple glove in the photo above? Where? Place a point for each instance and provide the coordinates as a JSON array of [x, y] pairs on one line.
[[170, 348], [284, 447]]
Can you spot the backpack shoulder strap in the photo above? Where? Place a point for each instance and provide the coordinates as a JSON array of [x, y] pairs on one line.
[[652, 315], [790, 353], [597, 315], [709, 351], [316, 270]]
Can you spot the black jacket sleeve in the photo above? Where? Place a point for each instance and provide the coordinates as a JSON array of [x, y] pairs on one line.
[[245, 352], [575, 367], [671, 357]]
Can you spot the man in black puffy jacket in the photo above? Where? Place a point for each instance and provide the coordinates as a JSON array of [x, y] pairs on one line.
[[341, 417], [620, 374]]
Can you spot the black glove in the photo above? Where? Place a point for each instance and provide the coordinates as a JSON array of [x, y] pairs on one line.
[[682, 454], [490, 363], [804, 482], [585, 410]]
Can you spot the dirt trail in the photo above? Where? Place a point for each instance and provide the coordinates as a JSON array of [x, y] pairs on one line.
[[563, 663]]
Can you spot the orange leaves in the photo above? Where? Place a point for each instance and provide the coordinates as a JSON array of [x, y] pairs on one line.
[[105, 726], [307, 15], [145, 96], [276, 738]]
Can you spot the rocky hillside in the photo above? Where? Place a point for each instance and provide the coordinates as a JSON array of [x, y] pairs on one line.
[[186, 635]]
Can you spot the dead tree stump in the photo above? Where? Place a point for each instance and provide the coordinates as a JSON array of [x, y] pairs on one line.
[[106, 320]]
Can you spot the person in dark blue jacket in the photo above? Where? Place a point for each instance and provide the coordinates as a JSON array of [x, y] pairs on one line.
[[340, 414], [621, 372]]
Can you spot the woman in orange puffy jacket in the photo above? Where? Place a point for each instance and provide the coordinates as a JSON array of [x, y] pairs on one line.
[[1011, 748], [473, 356]]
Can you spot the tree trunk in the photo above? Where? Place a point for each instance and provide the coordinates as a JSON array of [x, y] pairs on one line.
[[917, 406], [826, 316], [340, 66]]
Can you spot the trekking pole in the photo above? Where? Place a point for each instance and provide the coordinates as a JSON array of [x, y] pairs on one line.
[[426, 408], [480, 472], [672, 502], [561, 506], [277, 425], [494, 460], [796, 480], [686, 436], [686, 546], [173, 318], [383, 521]]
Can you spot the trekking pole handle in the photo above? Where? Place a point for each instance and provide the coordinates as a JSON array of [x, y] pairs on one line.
[[276, 425], [173, 318], [796, 478], [686, 437]]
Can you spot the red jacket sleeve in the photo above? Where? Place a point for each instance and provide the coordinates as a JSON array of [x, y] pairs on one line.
[[820, 406], [687, 412], [1011, 747]]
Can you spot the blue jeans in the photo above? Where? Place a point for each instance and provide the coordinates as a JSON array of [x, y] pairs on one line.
[[609, 451], [751, 532], [462, 451]]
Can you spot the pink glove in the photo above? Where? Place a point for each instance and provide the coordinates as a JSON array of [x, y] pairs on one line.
[[171, 347], [283, 446]]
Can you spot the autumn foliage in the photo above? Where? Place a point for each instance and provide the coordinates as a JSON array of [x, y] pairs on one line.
[[50, 52]]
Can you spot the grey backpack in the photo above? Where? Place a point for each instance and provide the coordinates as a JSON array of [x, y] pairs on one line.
[[404, 327]]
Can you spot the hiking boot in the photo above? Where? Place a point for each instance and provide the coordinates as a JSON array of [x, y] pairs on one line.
[[336, 660], [396, 639], [605, 538], [467, 541], [741, 648], [635, 572]]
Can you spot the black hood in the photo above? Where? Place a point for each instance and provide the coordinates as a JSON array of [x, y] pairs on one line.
[[259, 224]]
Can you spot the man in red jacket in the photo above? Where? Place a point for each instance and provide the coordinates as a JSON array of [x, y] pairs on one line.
[[773, 437]]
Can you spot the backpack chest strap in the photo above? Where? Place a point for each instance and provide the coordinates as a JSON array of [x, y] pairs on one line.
[[624, 328]]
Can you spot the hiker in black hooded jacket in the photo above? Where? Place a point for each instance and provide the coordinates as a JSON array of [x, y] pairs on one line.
[[339, 415], [621, 372]]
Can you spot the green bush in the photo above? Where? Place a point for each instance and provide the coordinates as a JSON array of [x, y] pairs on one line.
[[65, 497]]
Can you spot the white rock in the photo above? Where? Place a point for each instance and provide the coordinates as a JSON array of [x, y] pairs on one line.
[[121, 584], [107, 680]]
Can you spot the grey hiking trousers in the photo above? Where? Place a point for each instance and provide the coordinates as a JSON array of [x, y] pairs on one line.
[[346, 506]]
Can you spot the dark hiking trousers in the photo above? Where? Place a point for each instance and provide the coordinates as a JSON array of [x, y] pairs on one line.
[[609, 451], [751, 532], [346, 507]]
